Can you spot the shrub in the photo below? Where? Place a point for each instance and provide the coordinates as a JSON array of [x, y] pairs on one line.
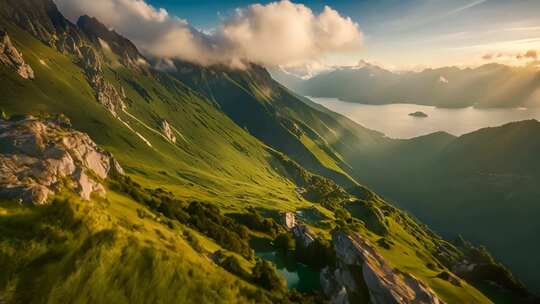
[[319, 254], [230, 235], [231, 264], [285, 241], [205, 218], [264, 274], [254, 221]]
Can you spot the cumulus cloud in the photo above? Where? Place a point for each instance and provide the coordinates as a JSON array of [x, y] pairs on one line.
[[278, 33]]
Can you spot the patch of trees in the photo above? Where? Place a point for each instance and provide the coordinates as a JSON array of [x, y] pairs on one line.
[[316, 188], [264, 274], [203, 217], [285, 241], [318, 254], [254, 221], [208, 219]]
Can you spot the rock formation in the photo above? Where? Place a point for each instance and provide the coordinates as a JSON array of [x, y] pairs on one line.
[[10, 56], [38, 158], [167, 131], [288, 219], [303, 235], [362, 272]]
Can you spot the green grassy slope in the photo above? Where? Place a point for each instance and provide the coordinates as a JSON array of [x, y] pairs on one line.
[[210, 150], [272, 114], [483, 185]]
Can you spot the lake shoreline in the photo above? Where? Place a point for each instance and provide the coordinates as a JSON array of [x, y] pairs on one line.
[[393, 120]]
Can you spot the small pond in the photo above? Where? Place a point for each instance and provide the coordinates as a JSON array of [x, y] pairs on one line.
[[298, 276]]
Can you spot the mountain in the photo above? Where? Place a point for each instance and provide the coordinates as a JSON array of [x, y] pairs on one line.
[[488, 86], [482, 185], [126, 183]]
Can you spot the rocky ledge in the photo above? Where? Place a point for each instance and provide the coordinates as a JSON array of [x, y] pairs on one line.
[[362, 273], [38, 157], [10, 56]]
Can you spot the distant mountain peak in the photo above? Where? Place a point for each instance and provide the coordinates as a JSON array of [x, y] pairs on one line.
[[120, 45]]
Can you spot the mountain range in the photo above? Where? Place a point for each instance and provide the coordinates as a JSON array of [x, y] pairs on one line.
[[487, 86], [126, 182]]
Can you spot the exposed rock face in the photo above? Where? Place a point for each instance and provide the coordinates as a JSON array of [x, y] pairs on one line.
[[125, 49], [106, 93], [288, 219], [38, 157], [361, 269], [10, 56], [303, 235], [167, 131]]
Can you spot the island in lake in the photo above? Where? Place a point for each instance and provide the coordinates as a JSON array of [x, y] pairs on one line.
[[418, 114]]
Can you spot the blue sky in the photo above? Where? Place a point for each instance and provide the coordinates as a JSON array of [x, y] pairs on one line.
[[409, 34]]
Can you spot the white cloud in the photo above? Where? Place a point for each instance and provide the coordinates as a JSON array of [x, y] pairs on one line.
[[278, 33]]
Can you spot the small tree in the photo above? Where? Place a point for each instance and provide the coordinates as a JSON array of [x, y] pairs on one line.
[[264, 275]]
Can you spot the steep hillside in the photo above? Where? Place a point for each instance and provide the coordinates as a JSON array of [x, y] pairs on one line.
[[261, 106], [482, 185], [490, 85], [207, 159]]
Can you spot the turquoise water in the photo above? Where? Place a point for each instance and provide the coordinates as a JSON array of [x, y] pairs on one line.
[[394, 120], [298, 276]]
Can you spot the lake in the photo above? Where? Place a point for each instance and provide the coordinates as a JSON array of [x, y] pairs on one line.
[[394, 121], [298, 276]]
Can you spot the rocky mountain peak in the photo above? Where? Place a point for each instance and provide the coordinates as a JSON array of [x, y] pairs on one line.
[[120, 45]]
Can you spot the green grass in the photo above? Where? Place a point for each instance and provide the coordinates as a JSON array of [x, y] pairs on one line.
[[102, 252]]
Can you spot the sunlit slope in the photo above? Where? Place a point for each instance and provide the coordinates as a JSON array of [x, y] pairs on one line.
[[211, 158], [273, 114]]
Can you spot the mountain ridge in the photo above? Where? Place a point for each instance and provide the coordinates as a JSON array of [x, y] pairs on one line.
[[490, 85]]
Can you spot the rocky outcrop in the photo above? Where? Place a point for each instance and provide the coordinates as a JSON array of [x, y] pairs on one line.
[[288, 220], [10, 56], [167, 131], [106, 93], [38, 158], [97, 32], [362, 273]]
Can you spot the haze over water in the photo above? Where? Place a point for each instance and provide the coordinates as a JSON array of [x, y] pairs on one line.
[[394, 120]]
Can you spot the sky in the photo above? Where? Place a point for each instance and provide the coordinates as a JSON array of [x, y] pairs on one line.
[[396, 34]]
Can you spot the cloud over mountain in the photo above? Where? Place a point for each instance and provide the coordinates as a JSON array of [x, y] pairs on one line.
[[277, 33]]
